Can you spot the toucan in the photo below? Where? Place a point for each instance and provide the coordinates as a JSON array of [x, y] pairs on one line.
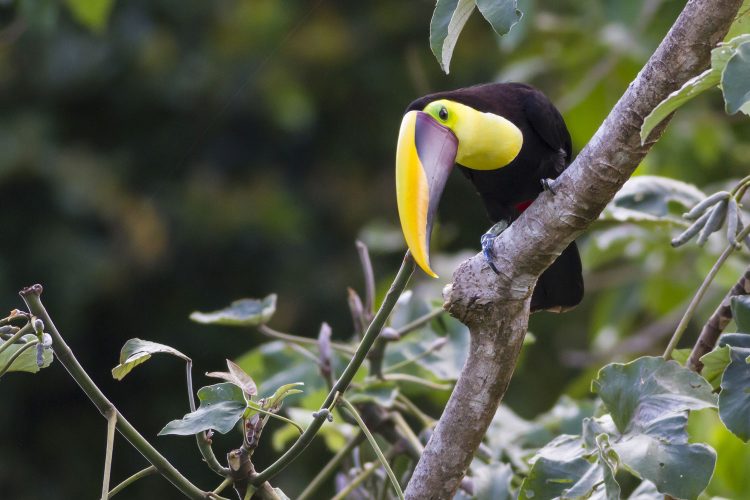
[[511, 142]]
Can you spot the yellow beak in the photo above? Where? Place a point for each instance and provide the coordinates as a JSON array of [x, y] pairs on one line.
[[425, 156]]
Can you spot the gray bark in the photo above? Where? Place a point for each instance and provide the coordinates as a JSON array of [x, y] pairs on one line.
[[496, 307]]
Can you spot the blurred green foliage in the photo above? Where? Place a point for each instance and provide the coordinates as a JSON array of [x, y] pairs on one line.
[[173, 156]]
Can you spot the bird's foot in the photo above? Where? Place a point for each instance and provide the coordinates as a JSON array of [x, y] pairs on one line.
[[487, 240], [549, 185]]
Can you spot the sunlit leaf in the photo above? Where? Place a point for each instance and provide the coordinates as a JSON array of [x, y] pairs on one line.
[[734, 399], [735, 81], [501, 14], [221, 406], [448, 20], [740, 305], [28, 361], [137, 351], [648, 386], [91, 13], [681, 355], [243, 312], [714, 364]]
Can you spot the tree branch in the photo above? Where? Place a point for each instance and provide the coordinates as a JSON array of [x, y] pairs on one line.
[[496, 307]]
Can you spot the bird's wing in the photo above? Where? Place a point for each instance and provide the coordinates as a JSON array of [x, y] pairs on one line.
[[548, 123]]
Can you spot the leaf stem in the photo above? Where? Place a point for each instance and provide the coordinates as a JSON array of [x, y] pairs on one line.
[[330, 467], [372, 333], [375, 447], [135, 477], [682, 326], [31, 296], [421, 321], [296, 339]]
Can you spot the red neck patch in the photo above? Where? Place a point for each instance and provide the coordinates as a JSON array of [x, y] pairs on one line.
[[523, 205]]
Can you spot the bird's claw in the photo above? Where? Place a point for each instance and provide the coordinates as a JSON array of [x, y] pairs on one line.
[[549, 185], [488, 239]]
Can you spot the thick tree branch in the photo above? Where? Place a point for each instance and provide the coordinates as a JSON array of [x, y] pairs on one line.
[[496, 308]]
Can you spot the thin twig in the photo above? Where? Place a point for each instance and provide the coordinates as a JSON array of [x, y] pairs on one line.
[[330, 467], [111, 423], [375, 447], [372, 333], [135, 477], [295, 339]]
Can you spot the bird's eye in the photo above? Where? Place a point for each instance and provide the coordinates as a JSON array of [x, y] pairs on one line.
[[443, 114]]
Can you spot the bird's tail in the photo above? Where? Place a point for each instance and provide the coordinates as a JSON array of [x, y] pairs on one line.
[[560, 287]]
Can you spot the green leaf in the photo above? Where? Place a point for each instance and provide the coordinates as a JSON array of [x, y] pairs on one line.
[[382, 393], [740, 305], [220, 417], [27, 361], [734, 399], [680, 470], [243, 312], [218, 393], [221, 407], [501, 14], [549, 478], [648, 386], [448, 20], [237, 376], [137, 351], [714, 364], [91, 13], [735, 81], [693, 87]]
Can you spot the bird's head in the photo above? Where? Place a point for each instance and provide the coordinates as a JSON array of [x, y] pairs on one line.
[[430, 143]]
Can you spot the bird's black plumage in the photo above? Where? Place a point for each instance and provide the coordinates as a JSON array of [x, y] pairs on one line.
[[507, 191]]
